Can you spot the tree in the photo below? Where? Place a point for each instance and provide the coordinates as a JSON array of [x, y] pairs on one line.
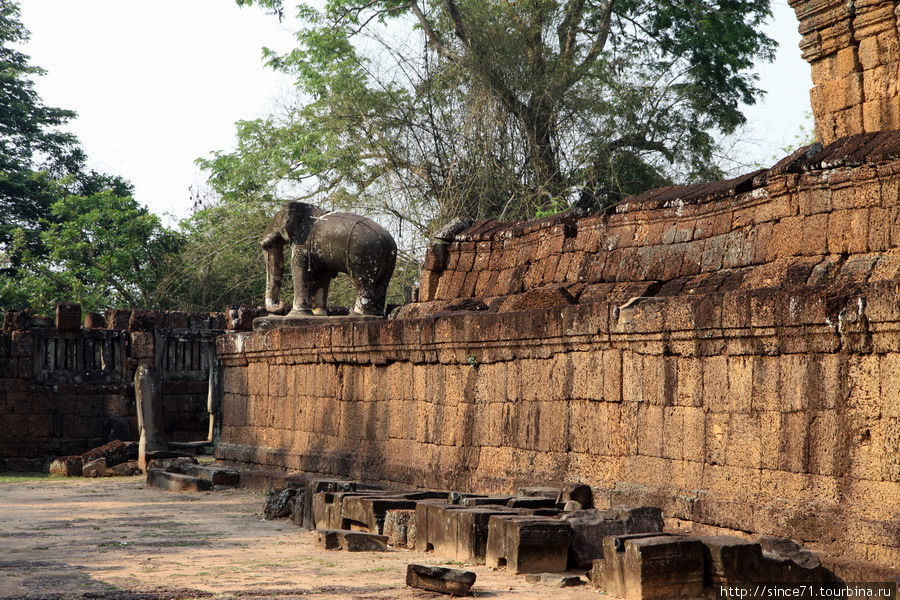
[[431, 109], [102, 250], [34, 151]]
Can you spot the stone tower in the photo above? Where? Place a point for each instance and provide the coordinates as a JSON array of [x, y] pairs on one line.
[[854, 49]]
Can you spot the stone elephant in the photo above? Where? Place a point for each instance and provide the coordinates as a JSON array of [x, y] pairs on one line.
[[324, 244]]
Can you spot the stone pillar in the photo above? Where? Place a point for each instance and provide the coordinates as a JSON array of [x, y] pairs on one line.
[[148, 397], [854, 50]]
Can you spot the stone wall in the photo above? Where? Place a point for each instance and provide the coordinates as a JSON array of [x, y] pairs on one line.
[[854, 49], [728, 352], [824, 216], [65, 389]]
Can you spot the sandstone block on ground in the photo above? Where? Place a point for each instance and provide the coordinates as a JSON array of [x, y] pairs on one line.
[[400, 528], [554, 579], [278, 503], [663, 568], [730, 560], [528, 544], [540, 492], [435, 528], [607, 573], [176, 482], [174, 464], [472, 532], [440, 579], [215, 475], [367, 513], [351, 541], [94, 468], [313, 487], [68, 466], [126, 469], [784, 561], [115, 453], [589, 527]]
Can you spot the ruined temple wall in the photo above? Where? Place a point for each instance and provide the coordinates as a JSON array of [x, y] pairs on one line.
[[854, 50], [729, 354], [44, 419], [819, 226], [65, 389], [774, 412]]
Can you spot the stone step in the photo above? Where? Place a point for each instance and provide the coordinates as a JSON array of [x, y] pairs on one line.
[[176, 482], [215, 475]]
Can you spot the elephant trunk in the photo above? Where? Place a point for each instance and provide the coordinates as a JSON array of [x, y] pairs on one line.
[[274, 273]]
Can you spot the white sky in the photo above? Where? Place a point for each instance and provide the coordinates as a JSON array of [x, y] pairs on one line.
[[158, 84]]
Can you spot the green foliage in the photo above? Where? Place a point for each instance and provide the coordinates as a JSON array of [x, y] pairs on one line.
[[33, 150], [66, 233], [433, 109], [103, 250]]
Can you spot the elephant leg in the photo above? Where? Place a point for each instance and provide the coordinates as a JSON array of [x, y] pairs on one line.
[[319, 293], [299, 271], [370, 297]]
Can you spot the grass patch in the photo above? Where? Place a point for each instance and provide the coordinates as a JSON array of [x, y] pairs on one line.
[[31, 477]]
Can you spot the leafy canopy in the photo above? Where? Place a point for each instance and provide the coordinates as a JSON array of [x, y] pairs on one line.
[[67, 233], [431, 109]]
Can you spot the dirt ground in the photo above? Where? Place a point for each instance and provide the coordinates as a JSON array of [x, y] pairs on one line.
[[116, 539]]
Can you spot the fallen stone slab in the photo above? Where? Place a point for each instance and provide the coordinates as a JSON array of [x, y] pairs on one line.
[[440, 579], [350, 541], [176, 482], [94, 468], [554, 579], [663, 568], [68, 466], [472, 532], [215, 475], [126, 469], [115, 452]]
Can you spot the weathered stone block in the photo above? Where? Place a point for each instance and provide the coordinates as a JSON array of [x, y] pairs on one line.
[[554, 579], [94, 468], [665, 567], [351, 541], [126, 469], [278, 503], [400, 528], [215, 475], [440, 579], [485, 500], [368, 513], [68, 466], [528, 544], [176, 482], [68, 316], [472, 532]]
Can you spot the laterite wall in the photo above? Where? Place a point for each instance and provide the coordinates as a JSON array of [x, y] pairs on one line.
[[754, 386]]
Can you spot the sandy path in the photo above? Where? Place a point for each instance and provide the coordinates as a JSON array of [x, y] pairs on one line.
[[107, 538]]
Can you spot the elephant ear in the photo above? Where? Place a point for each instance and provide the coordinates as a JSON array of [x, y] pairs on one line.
[[300, 221]]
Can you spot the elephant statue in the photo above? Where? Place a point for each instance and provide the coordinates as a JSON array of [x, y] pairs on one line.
[[324, 244]]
